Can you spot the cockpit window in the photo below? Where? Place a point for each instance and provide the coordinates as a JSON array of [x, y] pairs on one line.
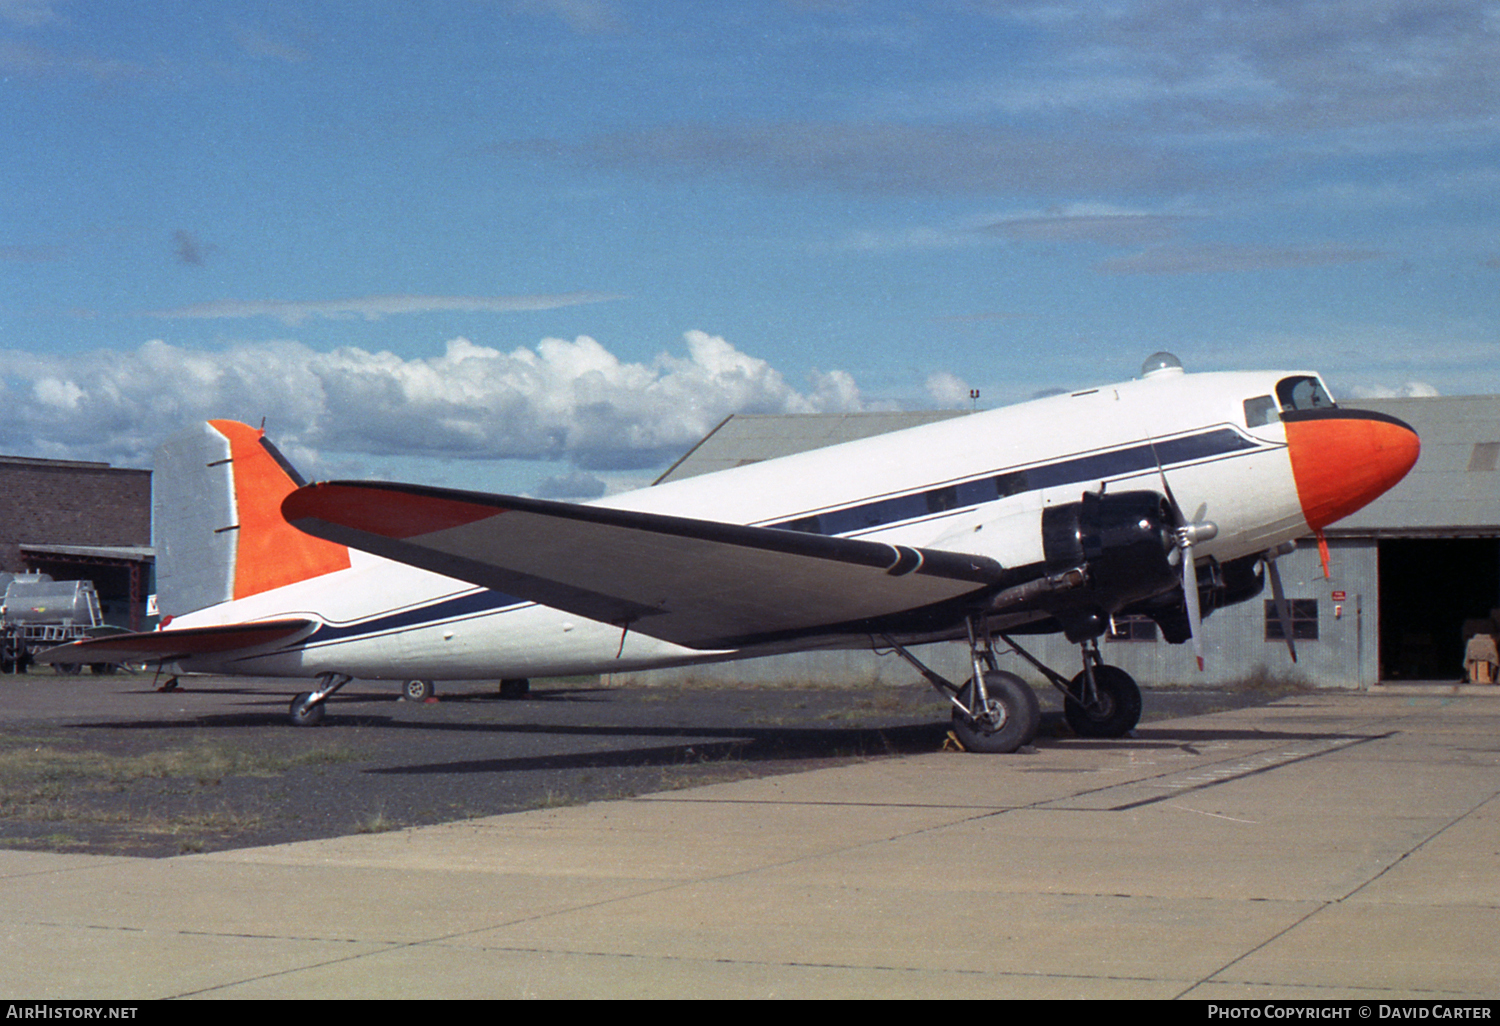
[[1260, 411], [1303, 393]]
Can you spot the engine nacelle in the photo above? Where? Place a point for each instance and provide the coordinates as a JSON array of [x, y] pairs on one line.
[[1123, 540]]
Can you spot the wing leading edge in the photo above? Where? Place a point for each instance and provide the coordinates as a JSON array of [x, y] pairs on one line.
[[699, 583]]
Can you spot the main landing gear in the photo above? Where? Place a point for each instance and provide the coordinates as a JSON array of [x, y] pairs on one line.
[[307, 709], [997, 712], [1101, 701]]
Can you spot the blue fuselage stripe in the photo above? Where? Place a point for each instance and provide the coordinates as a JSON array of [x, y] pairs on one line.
[[1095, 467], [418, 616]]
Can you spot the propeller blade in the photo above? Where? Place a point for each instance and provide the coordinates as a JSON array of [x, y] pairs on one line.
[[1283, 611], [1177, 516], [1190, 594], [1188, 532]]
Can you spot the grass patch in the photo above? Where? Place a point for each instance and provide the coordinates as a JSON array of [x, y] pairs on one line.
[[1270, 684], [376, 822], [551, 799], [26, 764], [47, 842], [43, 781]]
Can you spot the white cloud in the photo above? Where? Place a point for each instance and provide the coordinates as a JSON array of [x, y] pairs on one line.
[[1369, 360], [373, 308], [947, 390], [1102, 226], [29, 13], [1216, 65], [258, 42], [576, 486], [63, 395], [570, 401], [1411, 389], [1222, 258], [586, 17], [884, 157], [906, 239]]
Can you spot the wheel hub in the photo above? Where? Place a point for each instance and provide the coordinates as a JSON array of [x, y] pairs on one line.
[[1102, 707], [993, 717]]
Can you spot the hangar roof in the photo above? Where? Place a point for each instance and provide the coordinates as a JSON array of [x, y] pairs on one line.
[[110, 553], [743, 438], [1453, 489]]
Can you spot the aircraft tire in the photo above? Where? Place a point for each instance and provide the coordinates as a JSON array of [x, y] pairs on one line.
[[515, 688], [1022, 715], [418, 690], [304, 712], [1119, 708]]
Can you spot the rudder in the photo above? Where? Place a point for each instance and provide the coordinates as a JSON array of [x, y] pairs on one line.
[[220, 533]]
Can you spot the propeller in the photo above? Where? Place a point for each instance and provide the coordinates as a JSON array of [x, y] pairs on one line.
[[1189, 533], [1283, 611]]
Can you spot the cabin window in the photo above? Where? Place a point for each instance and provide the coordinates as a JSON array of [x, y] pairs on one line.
[[1303, 393], [1304, 617], [1260, 411]]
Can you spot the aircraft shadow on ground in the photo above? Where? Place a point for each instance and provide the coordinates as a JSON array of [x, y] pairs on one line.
[[702, 743]]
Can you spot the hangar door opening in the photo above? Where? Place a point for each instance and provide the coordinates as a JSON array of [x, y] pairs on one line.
[[1428, 588]]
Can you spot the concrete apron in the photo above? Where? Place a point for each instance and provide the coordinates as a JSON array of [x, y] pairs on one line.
[[1327, 846]]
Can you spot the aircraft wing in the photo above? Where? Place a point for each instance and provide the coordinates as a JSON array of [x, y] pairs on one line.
[[699, 583], [169, 646]]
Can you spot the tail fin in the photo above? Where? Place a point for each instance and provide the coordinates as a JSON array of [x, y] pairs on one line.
[[219, 530]]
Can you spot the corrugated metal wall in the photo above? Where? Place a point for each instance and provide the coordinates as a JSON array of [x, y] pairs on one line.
[[1345, 655]]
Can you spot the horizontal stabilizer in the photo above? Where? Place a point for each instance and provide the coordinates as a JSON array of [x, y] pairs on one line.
[[699, 583], [169, 646]]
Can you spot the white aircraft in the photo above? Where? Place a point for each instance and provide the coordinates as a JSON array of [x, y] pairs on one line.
[[1163, 496]]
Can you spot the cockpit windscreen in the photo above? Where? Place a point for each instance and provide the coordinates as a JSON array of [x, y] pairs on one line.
[[1303, 393]]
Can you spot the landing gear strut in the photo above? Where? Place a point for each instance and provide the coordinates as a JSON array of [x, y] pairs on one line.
[[1109, 706], [994, 712], [1003, 719], [998, 712], [307, 709], [1101, 701]]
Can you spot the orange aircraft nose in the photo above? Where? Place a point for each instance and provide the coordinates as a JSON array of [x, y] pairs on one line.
[[1342, 460]]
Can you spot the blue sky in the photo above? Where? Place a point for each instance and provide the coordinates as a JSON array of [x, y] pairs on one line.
[[544, 245]]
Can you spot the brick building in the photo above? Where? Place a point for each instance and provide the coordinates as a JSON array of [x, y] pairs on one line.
[[80, 521]]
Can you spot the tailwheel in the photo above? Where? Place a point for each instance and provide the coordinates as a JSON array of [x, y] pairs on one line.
[[418, 690], [1009, 717], [307, 709], [1112, 710], [304, 711], [515, 688]]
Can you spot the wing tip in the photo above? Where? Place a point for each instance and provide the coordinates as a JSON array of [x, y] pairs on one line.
[[390, 511]]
